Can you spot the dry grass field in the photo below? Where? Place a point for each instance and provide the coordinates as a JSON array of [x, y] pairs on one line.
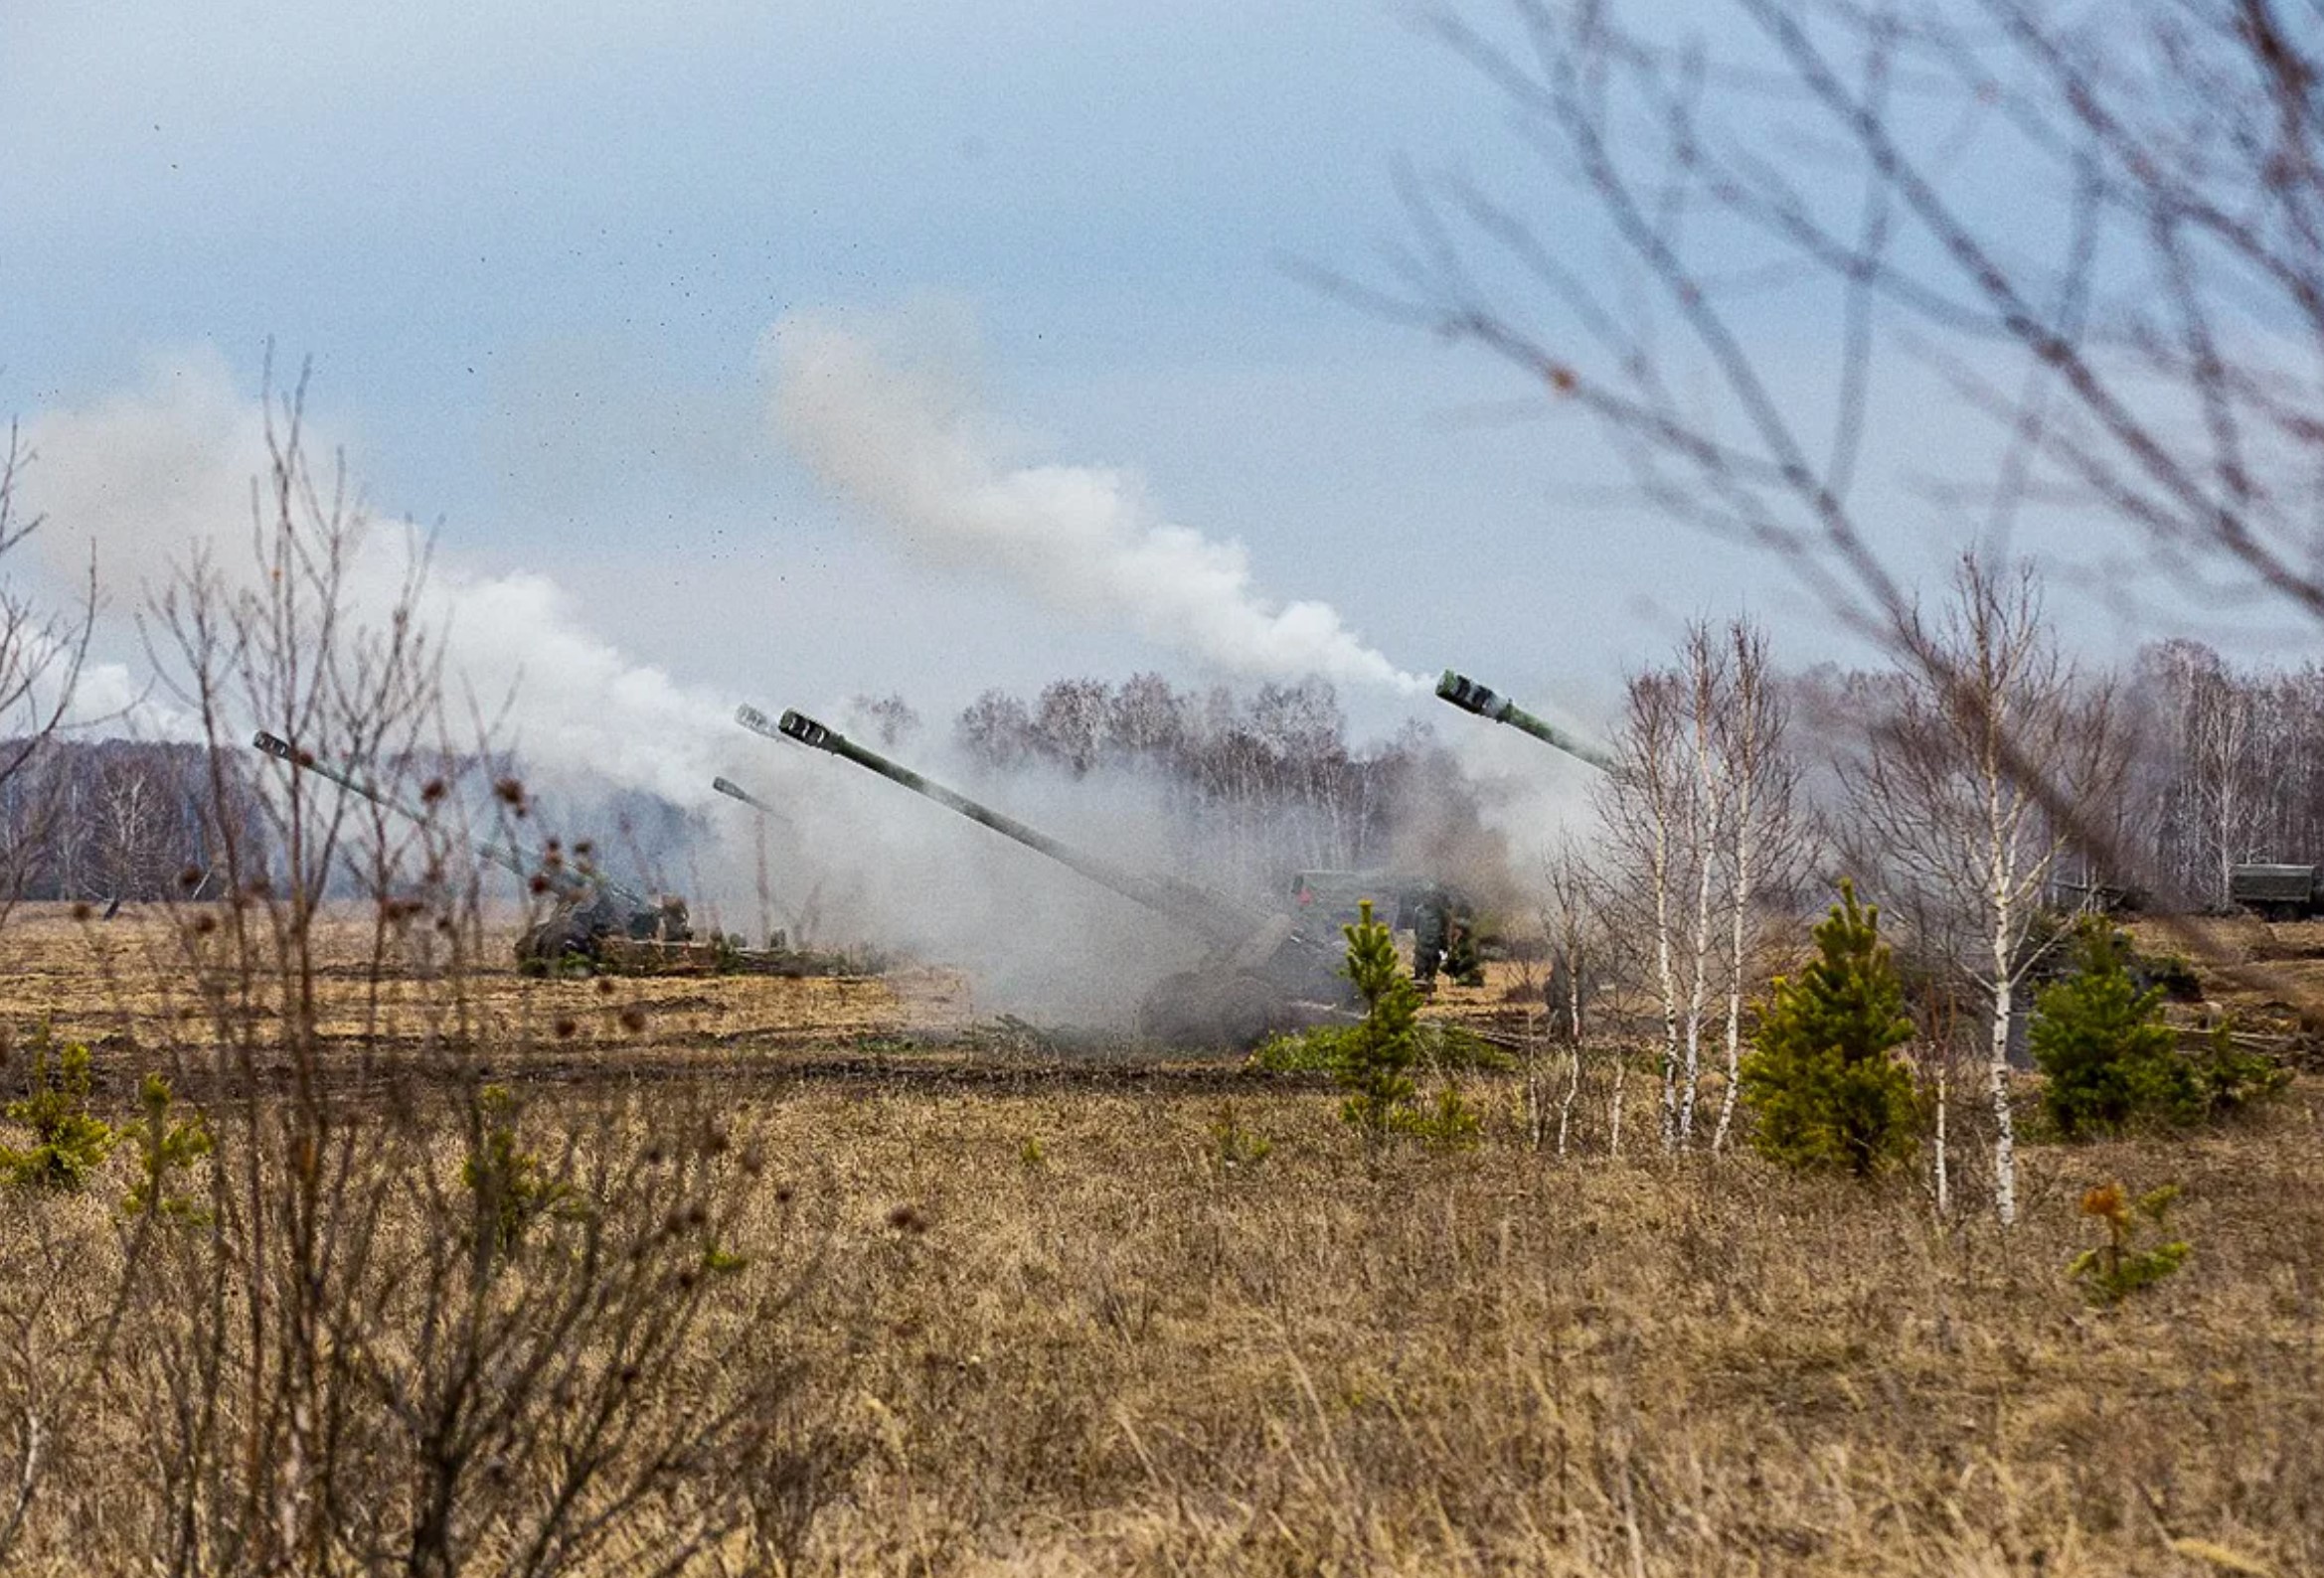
[[126, 985], [1155, 1323]]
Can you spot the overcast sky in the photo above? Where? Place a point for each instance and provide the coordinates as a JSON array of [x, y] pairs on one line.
[[538, 255]]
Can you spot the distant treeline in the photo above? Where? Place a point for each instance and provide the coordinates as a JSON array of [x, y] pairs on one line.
[[101, 820], [2221, 765], [2227, 766], [2230, 767], [1255, 782], [137, 820]]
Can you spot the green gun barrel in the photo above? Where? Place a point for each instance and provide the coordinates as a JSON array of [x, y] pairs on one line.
[[1218, 917], [567, 884], [1470, 697]]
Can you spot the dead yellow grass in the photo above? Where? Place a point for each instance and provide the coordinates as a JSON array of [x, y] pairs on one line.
[[126, 982], [1067, 1333], [1129, 1357]]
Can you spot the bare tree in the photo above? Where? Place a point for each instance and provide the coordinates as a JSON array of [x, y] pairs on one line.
[[132, 817], [1956, 825], [401, 1318], [1766, 842], [1697, 812], [1707, 826], [1573, 922], [1644, 805]]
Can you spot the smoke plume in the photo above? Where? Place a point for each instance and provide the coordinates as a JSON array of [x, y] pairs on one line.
[[900, 442], [150, 475]]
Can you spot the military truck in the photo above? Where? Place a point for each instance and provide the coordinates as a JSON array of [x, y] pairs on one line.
[[590, 914], [2274, 891], [1264, 973]]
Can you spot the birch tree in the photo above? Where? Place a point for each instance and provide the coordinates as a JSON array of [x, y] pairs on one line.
[[1939, 792], [1707, 684], [1572, 922], [1644, 805], [1699, 813], [1764, 841]]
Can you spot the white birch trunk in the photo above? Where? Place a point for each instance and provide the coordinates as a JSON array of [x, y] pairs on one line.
[[1666, 979], [1744, 853], [1698, 982], [1706, 816], [2005, 1160], [1945, 1176], [1573, 1089], [2005, 1149], [1614, 1117]]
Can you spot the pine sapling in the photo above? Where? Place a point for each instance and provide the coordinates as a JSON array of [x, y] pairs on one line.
[[70, 1143], [1234, 1145], [1377, 1065], [2119, 1267], [2102, 1045], [510, 1186], [165, 1146], [1822, 1079]]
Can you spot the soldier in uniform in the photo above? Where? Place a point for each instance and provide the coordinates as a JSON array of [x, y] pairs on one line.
[[1461, 948], [1431, 914]]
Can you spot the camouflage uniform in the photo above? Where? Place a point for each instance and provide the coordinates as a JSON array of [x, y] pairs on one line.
[[1460, 952], [1431, 934]]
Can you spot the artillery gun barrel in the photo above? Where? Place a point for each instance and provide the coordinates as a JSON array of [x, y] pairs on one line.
[[1218, 917], [569, 884], [1470, 697]]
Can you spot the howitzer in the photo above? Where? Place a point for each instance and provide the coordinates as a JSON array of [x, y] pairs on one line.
[[1260, 968], [588, 904], [1470, 697]]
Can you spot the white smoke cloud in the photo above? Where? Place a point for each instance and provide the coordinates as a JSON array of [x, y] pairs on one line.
[[897, 438], [145, 477]]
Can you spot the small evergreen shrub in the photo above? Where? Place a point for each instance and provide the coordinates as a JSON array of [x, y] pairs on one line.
[[511, 1188], [69, 1142], [1377, 1058], [165, 1146], [1237, 1147], [2119, 1267], [2112, 1061], [2232, 1078], [1821, 1077], [1448, 1123], [2102, 1043]]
